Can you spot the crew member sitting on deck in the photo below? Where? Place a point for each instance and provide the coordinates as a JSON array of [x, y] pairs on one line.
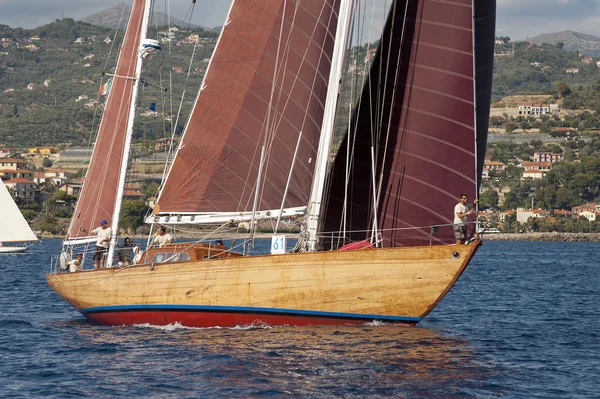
[[76, 264], [126, 252]]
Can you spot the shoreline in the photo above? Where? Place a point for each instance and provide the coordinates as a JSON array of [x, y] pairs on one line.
[[565, 237], [554, 236]]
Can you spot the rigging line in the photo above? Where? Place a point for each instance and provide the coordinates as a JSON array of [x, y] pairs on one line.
[[316, 68], [373, 104], [174, 127], [354, 27], [315, 77], [383, 95], [104, 167], [343, 220], [266, 122], [260, 167], [288, 182], [317, 18], [190, 13], [353, 124], [97, 106], [268, 132], [394, 93]]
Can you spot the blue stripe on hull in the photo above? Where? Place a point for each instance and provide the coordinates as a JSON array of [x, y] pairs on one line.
[[247, 310]]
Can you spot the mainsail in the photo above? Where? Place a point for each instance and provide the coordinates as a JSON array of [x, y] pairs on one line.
[[413, 141], [100, 192], [13, 226], [265, 88]]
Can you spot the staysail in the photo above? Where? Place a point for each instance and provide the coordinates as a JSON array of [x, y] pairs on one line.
[[265, 87], [100, 190], [13, 226], [414, 135]]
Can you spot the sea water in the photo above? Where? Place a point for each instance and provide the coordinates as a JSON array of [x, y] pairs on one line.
[[522, 322]]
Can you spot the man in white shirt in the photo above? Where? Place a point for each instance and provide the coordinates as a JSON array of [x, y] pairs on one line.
[[75, 264], [461, 214], [162, 238], [102, 243]]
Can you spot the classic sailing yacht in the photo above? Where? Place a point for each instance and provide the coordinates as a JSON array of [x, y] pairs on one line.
[[377, 241], [14, 228]]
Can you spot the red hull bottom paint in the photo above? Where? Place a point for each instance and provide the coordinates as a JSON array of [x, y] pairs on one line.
[[212, 319]]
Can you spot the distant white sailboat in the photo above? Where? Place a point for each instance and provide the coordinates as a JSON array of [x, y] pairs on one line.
[[13, 226]]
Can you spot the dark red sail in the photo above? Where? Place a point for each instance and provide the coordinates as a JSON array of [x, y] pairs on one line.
[[98, 197], [266, 82], [422, 89]]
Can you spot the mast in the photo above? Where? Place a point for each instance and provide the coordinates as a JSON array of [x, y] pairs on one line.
[[128, 136], [337, 62]]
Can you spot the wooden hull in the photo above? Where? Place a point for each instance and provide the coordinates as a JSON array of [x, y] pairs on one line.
[[398, 285]]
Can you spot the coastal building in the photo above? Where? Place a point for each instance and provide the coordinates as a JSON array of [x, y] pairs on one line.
[[523, 215], [533, 174], [534, 109], [131, 194], [562, 131], [591, 216], [12, 163], [71, 188], [165, 143], [549, 157], [151, 202], [543, 166], [40, 151], [506, 214], [562, 213], [23, 190], [492, 166], [589, 207], [54, 176], [7, 174]]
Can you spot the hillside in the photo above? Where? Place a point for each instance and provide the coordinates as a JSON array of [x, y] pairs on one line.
[[50, 76], [525, 68], [573, 41], [111, 17]]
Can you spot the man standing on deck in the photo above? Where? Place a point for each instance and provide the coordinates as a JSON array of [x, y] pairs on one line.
[[102, 243], [461, 214]]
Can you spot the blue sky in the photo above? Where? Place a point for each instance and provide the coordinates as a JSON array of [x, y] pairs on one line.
[[518, 19]]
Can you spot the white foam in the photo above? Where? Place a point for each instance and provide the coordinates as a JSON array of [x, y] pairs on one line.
[[256, 325]]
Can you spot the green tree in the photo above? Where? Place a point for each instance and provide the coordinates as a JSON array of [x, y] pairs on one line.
[[489, 198], [510, 127], [46, 163], [549, 197], [563, 198], [562, 89], [132, 215]]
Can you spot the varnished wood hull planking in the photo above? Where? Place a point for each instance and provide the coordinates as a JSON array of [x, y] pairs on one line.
[[340, 287]]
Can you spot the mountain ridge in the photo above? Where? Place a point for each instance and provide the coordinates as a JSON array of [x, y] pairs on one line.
[[573, 41], [112, 17]]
